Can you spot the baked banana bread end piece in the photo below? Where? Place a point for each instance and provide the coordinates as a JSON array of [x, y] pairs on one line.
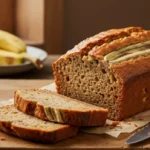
[[54, 107], [110, 70], [17, 123]]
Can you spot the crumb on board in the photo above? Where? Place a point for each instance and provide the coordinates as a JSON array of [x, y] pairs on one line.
[[115, 123], [141, 119], [135, 125], [2, 138], [129, 120], [111, 127], [129, 123]]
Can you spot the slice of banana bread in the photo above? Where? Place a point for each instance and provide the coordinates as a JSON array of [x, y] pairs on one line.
[[110, 69], [15, 122], [51, 106]]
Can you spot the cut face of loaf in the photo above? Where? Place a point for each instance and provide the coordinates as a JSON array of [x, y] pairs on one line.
[[54, 107], [110, 69], [28, 127]]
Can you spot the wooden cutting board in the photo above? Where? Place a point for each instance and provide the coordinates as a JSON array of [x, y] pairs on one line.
[[81, 141]]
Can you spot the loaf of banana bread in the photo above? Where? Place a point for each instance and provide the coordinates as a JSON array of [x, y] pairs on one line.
[[17, 123], [110, 69], [51, 106]]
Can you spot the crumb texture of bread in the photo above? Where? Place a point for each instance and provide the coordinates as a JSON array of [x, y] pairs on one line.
[[54, 107], [89, 82], [87, 75], [31, 128]]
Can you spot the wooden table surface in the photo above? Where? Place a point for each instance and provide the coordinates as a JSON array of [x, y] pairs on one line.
[[81, 141]]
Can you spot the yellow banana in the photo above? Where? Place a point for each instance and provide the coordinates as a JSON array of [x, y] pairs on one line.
[[11, 58], [35, 61], [12, 43], [13, 51]]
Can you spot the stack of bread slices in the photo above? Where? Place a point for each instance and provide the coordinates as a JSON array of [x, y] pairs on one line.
[[47, 117]]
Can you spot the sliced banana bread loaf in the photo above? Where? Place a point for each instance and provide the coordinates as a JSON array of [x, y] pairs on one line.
[[17, 123], [110, 69], [51, 106]]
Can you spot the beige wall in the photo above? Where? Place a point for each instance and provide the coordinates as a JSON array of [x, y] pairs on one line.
[[84, 18]]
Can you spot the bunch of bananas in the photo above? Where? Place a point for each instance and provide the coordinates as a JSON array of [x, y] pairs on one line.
[[13, 51]]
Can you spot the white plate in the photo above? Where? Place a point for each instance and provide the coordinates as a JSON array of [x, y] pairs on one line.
[[32, 51]]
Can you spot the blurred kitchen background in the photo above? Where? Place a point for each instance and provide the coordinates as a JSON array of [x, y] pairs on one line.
[[57, 25]]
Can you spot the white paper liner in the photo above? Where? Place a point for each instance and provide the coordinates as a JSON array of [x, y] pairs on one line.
[[112, 128]]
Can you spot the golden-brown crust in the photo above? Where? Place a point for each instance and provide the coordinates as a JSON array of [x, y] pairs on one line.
[[5, 126], [45, 136], [91, 45], [134, 76], [72, 117], [135, 96], [99, 39], [29, 107], [136, 37], [131, 68], [104, 37], [26, 106], [39, 112], [91, 118]]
